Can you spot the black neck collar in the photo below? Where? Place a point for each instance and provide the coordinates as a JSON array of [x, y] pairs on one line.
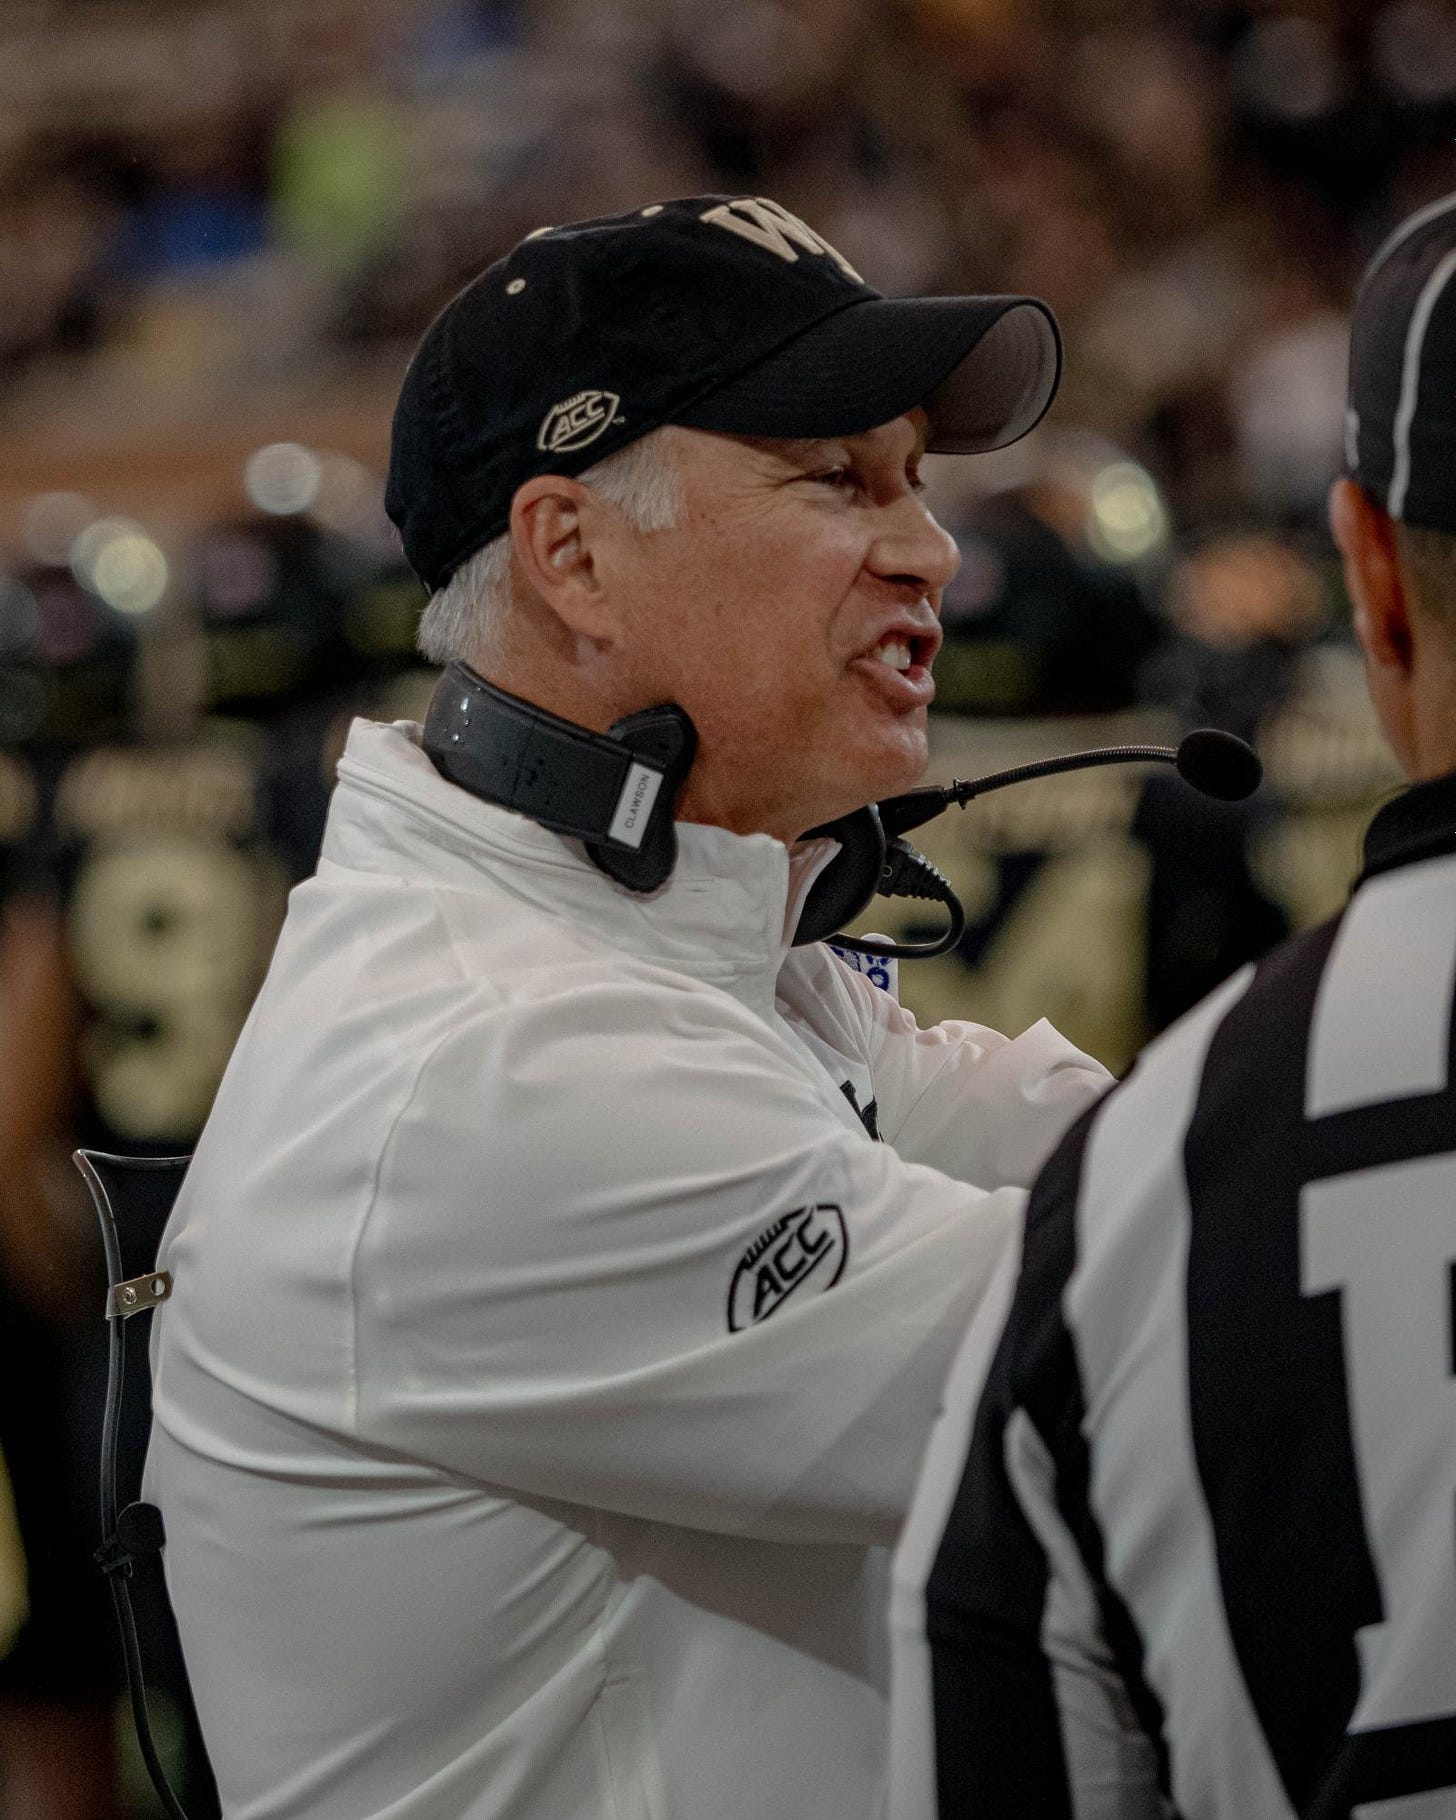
[[616, 792]]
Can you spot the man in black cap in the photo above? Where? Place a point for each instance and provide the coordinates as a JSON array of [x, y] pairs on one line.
[[1190, 1547], [565, 1276]]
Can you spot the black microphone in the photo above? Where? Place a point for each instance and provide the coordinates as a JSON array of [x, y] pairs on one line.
[[1216, 763], [1219, 764]]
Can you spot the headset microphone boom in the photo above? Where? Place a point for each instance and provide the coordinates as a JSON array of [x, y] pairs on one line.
[[1214, 762]]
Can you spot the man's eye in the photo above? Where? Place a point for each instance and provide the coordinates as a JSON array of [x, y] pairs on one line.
[[850, 480]]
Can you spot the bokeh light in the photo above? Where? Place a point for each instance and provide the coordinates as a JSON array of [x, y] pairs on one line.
[[1415, 51], [1288, 68], [117, 560], [349, 499], [282, 478], [1126, 520]]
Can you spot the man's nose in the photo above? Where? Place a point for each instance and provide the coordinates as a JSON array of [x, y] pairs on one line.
[[912, 547]]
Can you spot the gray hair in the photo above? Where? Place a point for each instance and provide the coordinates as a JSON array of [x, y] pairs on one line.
[[466, 617]]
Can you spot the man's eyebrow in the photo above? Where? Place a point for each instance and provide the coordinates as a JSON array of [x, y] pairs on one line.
[[798, 452]]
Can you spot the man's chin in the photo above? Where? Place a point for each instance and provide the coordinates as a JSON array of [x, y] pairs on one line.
[[904, 767], [889, 781]]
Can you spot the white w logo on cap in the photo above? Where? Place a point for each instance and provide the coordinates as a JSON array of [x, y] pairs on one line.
[[771, 226]]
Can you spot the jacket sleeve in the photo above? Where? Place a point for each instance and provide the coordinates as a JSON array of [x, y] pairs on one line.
[[623, 1251], [982, 1107]]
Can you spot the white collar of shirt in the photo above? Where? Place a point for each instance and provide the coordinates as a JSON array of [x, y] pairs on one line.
[[729, 909]]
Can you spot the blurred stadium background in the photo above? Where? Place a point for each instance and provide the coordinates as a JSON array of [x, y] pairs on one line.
[[221, 228]]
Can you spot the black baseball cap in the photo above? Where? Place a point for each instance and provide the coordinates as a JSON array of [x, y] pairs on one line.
[[717, 312], [1400, 426]]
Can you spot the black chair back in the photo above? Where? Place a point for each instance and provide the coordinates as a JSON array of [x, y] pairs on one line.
[[133, 1197]]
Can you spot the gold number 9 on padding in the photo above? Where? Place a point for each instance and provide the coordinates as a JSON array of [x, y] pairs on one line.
[[169, 933]]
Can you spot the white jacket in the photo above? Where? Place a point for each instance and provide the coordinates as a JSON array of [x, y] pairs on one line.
[[551, 1344]]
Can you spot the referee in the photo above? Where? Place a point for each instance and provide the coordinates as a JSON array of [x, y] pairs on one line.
[[1194, 1553]]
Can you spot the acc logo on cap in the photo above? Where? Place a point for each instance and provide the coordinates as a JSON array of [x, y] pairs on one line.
[[575, 422]]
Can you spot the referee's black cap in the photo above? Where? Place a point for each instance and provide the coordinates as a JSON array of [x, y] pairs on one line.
[[1400, 430], [717, 312]]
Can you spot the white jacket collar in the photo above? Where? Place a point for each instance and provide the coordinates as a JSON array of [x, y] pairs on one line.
[[729, 909]]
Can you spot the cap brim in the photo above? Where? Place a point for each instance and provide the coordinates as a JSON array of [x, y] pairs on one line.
[[984, 369]]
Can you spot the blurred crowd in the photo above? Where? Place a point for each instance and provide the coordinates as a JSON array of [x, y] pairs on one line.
[[1192, 185], [207, 208]]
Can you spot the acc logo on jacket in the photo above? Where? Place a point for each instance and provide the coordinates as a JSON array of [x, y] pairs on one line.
[[805, 1250], [576, 421]]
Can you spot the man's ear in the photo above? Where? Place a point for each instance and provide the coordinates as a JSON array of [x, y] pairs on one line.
[[1366, 539], [553, 528]]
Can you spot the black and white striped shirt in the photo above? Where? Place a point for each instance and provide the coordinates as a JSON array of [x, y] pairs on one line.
[[1193, 1551]]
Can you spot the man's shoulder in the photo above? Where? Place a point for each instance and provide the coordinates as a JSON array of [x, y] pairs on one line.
[[1230, 1066], [561, 1013], [1392, 938], [1269, 1004]]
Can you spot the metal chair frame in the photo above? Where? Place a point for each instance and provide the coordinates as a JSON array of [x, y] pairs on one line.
[[136, 1531]]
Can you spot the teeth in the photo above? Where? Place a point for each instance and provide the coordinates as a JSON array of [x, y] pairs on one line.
[[893, 651]]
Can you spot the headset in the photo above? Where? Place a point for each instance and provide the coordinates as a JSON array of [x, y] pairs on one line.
[[616, 792]]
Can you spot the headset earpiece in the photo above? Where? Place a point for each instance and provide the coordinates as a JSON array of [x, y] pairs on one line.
[[667, 738], [850, 879], [615, 792]]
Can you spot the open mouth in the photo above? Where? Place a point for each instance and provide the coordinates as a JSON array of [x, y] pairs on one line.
[[899, 651]]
